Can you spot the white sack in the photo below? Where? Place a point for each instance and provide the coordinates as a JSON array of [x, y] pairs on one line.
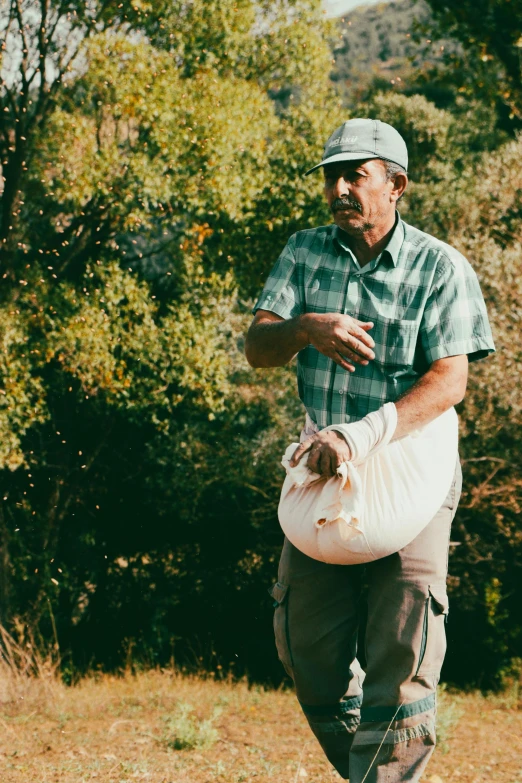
[[373, 507]]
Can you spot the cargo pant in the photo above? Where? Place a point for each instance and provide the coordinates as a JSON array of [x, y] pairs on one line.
[[383, 731]]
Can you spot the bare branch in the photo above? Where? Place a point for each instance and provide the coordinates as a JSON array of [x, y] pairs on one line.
[[484, 459], [42, 48], [8, 25], [11, 100], [25, 45], [59, 13]]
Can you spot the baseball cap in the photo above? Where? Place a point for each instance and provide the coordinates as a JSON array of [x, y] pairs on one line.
[[361, 139]]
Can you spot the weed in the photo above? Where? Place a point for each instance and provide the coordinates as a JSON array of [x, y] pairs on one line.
[[27, 666], [449, 712], [510, 695], [128, 729], [184, 731]]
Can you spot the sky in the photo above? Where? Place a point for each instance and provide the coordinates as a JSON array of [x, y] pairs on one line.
[[339, 7]]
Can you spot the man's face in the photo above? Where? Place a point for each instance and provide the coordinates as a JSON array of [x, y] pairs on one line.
[[359, 194]]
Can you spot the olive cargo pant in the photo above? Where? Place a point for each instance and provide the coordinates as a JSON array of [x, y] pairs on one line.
[[316, 626]]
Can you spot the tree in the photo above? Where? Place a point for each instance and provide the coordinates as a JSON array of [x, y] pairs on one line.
[[491, 31], [133, 173], [42, 49]]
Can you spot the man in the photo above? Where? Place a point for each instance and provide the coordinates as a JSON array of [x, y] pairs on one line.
[[376, 311]]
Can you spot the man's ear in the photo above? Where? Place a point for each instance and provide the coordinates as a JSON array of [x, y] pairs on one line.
[[400, 183]]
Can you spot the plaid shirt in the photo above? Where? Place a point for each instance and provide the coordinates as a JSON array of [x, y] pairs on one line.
[[421, 294]]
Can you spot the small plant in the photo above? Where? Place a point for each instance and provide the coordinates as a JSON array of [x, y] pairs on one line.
[[449, 712], [510, 695], [26, 663], [184, 731]]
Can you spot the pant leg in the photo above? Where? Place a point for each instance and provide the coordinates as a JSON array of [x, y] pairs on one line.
[[316, 624], [406, 643]]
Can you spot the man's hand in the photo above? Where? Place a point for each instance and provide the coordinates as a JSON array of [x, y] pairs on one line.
[[272, 341], [340, 337], [327, 452]]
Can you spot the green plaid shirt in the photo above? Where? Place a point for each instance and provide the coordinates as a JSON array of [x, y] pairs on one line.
[[421, 294]]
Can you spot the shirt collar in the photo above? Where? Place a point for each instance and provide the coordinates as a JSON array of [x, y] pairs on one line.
[[393, 248]]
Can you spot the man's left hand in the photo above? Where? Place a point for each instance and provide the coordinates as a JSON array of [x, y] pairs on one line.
[[326, 453]]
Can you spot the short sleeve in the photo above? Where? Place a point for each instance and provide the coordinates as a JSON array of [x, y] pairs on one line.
[[281, 294], [455, 319]]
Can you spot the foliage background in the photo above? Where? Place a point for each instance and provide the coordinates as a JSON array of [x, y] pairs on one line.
[[151, 165]]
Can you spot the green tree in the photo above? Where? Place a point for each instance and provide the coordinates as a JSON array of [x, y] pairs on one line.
[[139, 177], [492, 32]]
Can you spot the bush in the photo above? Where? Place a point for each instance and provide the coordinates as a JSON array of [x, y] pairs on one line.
[[185, 732]]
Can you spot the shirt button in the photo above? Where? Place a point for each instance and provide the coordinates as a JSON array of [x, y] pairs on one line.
[[341, 391]]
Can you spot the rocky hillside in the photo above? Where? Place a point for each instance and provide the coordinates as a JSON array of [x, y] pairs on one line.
[[382, 43]]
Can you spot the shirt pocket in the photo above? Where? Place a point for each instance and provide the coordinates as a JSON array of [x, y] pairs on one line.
[[325, 292], [395, 342]]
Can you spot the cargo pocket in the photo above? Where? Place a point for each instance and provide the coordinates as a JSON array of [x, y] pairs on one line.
[[280, 593], [433, 639]]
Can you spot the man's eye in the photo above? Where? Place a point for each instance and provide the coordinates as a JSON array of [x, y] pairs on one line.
[[351, 176]]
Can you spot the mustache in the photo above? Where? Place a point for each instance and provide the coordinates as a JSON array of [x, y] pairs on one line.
[[345, 203]]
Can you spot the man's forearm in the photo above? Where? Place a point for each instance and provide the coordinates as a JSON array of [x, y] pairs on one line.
[[442, 386], [274, 343]]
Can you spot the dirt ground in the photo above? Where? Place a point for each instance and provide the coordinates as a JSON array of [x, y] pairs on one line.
[[165, 728]]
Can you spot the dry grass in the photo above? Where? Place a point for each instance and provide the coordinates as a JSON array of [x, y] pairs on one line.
[[162, 727]]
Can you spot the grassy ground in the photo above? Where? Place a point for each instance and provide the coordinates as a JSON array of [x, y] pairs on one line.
[[162, 727]]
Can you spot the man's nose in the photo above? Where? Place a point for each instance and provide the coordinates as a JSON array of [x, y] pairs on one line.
[[340, 188]]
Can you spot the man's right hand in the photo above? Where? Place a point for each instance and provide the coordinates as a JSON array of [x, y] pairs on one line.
[[342, 338], [272, 341]]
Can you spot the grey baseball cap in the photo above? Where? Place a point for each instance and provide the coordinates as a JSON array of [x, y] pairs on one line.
[[362, 139]]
